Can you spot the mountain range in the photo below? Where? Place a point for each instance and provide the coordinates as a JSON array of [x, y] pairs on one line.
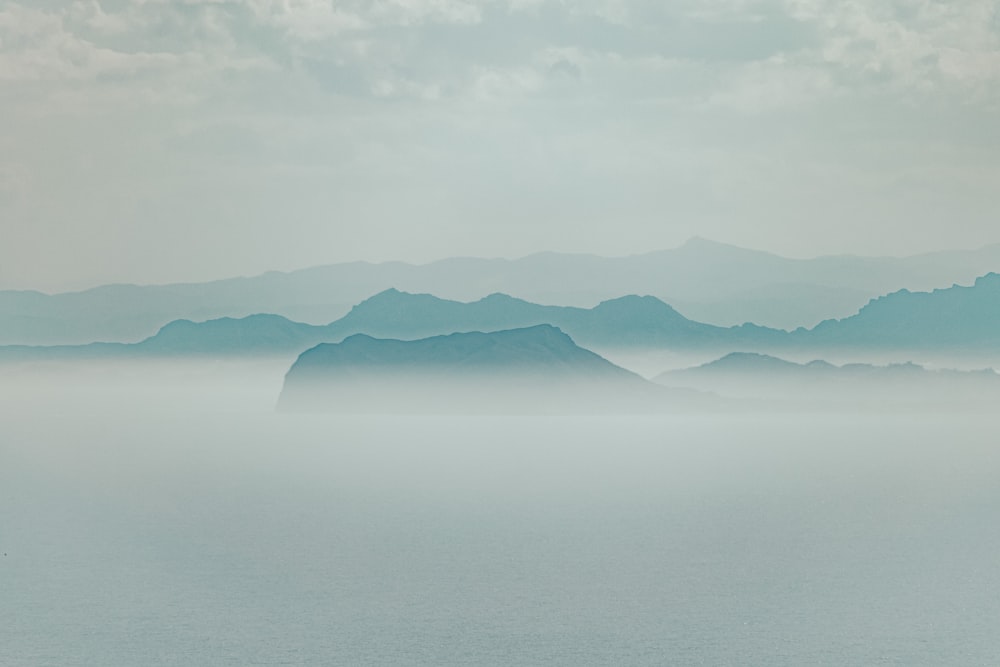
[[706, 281], [629, 321], [956, 319], [531, 370], [742, 375]]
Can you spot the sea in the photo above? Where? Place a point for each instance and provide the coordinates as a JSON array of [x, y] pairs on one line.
[[159, 516]]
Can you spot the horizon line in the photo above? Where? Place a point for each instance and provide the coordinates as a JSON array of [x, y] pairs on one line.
[[691, 241]]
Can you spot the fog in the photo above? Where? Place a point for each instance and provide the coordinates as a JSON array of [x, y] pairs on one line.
[[166, 514]]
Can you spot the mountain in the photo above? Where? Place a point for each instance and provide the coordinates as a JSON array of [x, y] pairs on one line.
[[256, 334], [629, 321], [958, 318], [818, 383], [531, 370], [707, 281], [751, 363], [956, 321], [626, 322]]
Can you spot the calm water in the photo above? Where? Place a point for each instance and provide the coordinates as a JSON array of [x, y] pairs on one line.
[[143, 530]]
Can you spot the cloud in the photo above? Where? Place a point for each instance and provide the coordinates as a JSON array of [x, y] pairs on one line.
[[464, 116], [915, 47], [85, 43], [762, 52], [773, 85]]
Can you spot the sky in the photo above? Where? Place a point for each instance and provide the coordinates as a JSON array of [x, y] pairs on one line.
[[157, 141]]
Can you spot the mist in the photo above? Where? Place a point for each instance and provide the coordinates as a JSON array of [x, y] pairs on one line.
[[165, 513]]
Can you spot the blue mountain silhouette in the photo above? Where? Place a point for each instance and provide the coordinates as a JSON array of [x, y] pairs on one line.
[[625, 321], [533, 369], [707, 281], [957, 319], [752, 375]]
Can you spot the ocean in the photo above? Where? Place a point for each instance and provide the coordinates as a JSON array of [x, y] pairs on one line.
[[145, 521]]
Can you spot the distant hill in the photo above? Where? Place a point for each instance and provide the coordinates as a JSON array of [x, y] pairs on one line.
[[707, 281], [762, 366], [255, 335], [629, 321], [531, 370], [751, 375], [957, 318]]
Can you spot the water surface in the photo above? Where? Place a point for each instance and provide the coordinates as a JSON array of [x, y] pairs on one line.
[[163, 526]]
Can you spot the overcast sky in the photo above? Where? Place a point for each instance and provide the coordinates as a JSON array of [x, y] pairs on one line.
[[154, 140]]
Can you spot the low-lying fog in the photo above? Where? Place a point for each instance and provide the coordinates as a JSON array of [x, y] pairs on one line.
[[164, 514]]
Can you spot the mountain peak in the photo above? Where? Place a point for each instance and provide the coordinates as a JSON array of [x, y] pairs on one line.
[[991, 279], [393, 297], [386, 294], [719, 251], [633, 303], [500, 298], [749, 360], [700, 242]]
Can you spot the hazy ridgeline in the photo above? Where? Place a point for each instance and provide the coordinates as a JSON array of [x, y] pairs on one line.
[[398, 353], [708, 282], [954, 327]]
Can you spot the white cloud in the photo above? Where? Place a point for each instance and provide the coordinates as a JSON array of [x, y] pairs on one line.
[[308, 20], [545, 111], [38, 46], [773, 85], [416, 12], [494, 84], [918, 46]]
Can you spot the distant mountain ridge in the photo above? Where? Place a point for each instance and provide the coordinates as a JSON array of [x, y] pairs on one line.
[[624, 321], [268, 334], [742, 375], [957, 319], [956, 316], [707, 281], [756, 363], [541, 349], [535, 369]]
